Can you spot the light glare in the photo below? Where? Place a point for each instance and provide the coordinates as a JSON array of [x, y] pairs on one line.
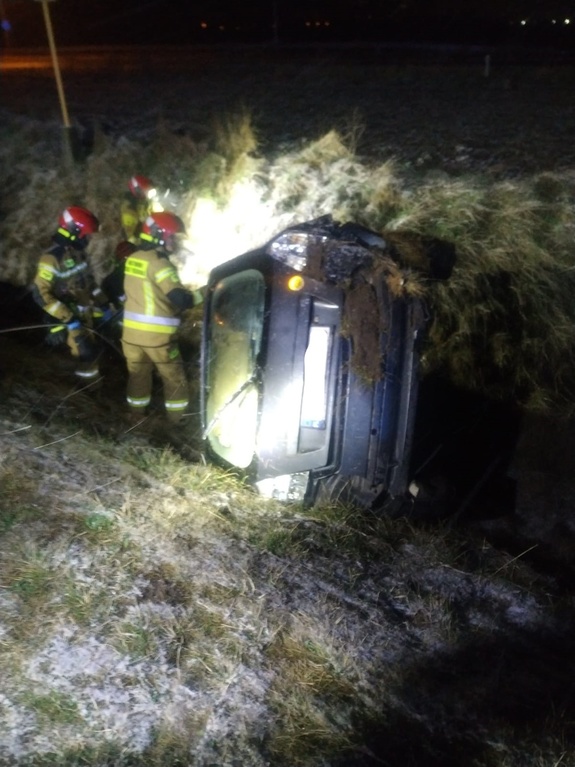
[[218, 233]]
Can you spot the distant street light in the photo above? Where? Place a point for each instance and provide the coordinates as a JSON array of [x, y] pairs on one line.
[[68, 147]]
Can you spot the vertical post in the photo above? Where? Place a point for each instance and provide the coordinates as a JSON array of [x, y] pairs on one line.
[[68, 144], [487, 66], [55, 64]]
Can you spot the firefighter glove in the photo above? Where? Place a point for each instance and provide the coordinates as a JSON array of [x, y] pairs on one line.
[[56, 336], [74, 325]]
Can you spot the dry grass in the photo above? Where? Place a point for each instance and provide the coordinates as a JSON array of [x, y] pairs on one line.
[[155, 612], [503, 322], [233, 629]]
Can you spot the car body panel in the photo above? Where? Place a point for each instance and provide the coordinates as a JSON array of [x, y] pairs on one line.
[[338, 426]]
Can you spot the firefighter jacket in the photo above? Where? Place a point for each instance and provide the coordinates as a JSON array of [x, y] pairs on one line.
[[154, 297], [64, 285]]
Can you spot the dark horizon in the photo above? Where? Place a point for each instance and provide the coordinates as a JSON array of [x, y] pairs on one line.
[[103, 22]]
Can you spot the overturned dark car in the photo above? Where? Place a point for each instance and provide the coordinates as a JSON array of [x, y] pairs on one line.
[[309, 374]]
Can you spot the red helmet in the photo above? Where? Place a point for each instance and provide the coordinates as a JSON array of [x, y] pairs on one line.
[[75, 223], [142, 187], [161, 228]]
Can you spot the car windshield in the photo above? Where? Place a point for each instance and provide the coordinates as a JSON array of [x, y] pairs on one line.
[[235, 335]]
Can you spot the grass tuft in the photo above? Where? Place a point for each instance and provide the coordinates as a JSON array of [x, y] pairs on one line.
[[158, 612]]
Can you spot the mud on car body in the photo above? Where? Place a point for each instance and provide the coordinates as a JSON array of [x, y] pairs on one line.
[[310, 356]]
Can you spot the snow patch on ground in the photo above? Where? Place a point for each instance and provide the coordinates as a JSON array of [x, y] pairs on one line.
[[117, 699]]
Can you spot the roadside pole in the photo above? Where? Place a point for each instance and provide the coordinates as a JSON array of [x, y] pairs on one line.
[[68, 130]]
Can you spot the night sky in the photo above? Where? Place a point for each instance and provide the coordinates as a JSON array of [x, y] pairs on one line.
[[86, 22]]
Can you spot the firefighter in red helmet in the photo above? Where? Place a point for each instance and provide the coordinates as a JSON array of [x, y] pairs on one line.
[[65, 288], [139, 201], [154, 301]]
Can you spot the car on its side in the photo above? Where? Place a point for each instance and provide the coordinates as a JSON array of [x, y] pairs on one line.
[[309, 366]]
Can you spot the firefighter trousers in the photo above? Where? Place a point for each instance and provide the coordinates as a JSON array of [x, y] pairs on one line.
[[141, 361]]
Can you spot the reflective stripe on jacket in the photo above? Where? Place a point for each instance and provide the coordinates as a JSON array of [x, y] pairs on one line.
[[149, 316]]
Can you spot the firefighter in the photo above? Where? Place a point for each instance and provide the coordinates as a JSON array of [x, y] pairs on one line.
[[138, 203], [65, 288], [155, 299]]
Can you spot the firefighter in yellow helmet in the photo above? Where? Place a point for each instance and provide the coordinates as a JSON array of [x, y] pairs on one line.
[[65, 288], [139, 201], [154, 299]]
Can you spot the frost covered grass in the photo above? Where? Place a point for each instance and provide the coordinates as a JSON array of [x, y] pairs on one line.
[[156, 612]]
